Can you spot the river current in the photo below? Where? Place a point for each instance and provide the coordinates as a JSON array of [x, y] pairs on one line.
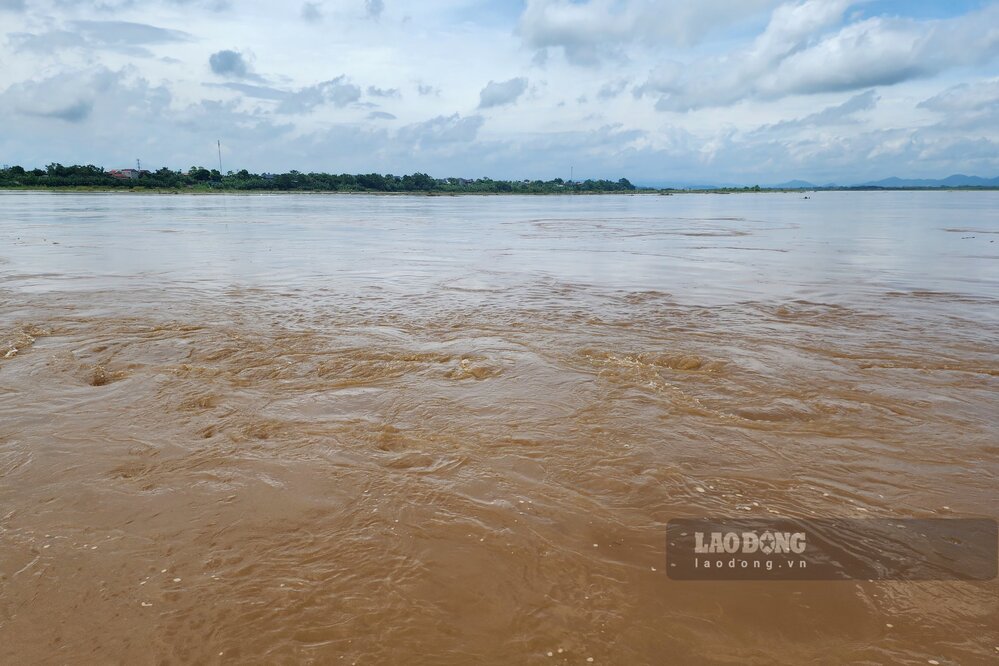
[[452, 430]]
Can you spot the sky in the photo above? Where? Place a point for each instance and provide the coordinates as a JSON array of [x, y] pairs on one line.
[[658, 91]]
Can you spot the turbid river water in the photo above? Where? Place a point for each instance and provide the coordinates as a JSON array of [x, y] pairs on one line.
[[413, 430]]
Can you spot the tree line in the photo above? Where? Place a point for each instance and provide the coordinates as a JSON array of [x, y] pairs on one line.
[[199, 178]]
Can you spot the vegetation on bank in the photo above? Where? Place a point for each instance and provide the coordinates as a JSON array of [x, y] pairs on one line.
[[201, 179]]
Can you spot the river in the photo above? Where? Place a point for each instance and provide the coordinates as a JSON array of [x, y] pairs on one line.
[[451, 430]]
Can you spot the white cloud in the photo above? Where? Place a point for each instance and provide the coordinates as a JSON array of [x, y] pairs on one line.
[[68, 97], [592, 30], [374, 8], [502, 93], [612, 89], [965, 97], [338, 92], [312, 12], [797, 54], [120, 36], [442, 130], [833, 115], [230, 64], [375, 91]]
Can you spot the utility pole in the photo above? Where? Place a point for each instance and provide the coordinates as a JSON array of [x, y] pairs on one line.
[[571, 170], [220, 155]]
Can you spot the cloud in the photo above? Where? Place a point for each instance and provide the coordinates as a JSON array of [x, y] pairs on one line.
[[608, 151], [75, 96], [590, 31], [728, 79], [255, 91], [73, 113], [119, 5], [122, 36], [964, 97], [824, 91], [338, 92], [66, 97], [374, 8], [875, 52], [312, 12], [612, 89], [833, 115], [967, 107], [884, 51], [232, 65], [383, 92], [442, 130], [195, 128], [806, 50], [502, 93], [126, 33], [46, 42]]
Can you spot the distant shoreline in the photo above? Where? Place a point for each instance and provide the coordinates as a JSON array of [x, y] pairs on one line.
[[638, 191], [219, 191], [199, 180]]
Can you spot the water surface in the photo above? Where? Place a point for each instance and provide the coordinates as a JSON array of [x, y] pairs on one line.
[[451, 430]]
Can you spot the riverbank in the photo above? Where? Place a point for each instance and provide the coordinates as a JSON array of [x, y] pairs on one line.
[[216, 191], [635, 192]]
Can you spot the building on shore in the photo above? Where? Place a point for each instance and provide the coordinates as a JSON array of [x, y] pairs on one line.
[[126, 174]]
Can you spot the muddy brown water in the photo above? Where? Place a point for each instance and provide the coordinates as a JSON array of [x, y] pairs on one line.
[[402, 430]]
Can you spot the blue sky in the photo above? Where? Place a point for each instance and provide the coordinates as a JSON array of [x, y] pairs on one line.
[[659, 91]]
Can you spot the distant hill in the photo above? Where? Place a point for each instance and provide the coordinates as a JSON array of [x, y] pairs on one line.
[[795, 185], [957, 180], [681, 185]]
